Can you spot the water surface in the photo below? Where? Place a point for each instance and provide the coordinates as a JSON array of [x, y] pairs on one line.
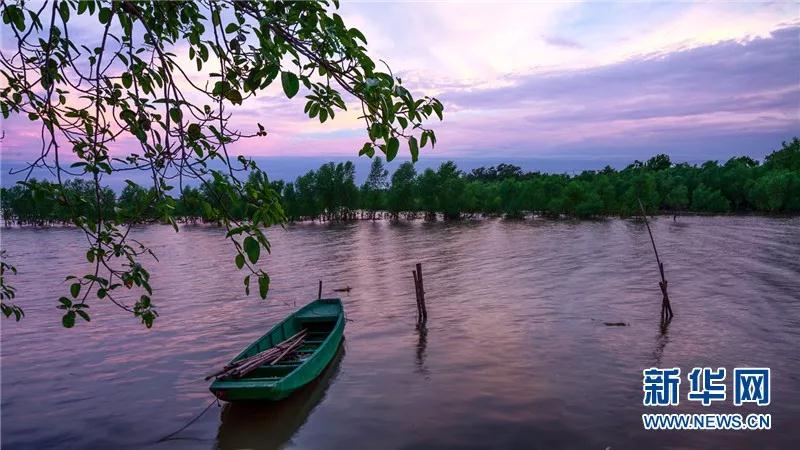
[[514, 354]]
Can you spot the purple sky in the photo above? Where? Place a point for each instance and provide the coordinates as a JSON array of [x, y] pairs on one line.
[[562, 80]]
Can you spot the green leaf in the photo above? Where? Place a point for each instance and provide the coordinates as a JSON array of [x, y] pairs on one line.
[[105, 15], [234, 96], [219, 88], [147, 318], [84, 315], [75, 289], [290, 84], [176, 114], [127, 80], [437, 108], [12, 14], [413, 148], [391, 148], [263, 285], [368, 150], [194, 131], [356, 34], [239, 261], [252, 249], [68, 319], [63, 10]]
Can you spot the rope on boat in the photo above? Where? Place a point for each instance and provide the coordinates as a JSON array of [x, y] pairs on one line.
[[194, 419]]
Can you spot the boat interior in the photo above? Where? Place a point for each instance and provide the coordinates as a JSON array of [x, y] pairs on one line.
[[318, 328]]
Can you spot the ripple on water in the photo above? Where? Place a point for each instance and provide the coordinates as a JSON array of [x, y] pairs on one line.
[[515, 351]]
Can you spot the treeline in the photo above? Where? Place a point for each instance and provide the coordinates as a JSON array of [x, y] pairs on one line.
[[330, 193]]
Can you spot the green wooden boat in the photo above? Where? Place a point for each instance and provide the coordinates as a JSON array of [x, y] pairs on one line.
[[324, 321]]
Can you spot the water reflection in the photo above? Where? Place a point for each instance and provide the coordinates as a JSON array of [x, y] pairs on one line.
[[661, 340], [509, 358], [422, 345], [271, 425]]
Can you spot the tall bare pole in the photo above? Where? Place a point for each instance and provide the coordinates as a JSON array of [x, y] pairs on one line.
[[666, 308]]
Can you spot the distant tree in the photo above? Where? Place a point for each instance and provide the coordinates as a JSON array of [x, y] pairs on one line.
[[326, 190], [401, 192], [190, 205], [709, 200], [743, 160], [511, 199], [450, 190], [736, 178], [505, 171], [607, 192], [581, 200], [641, 186], [348, 191], [290, 205], [308, 205], [475, 198], [135, 203], [777, 191], [658, 163], [373, 190], [427, 193], [678, 198], [499, 173], [788, 157]]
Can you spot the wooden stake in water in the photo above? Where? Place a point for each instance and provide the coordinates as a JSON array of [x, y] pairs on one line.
[[416, 294], [422, 311], [666, 308], [319, 293]]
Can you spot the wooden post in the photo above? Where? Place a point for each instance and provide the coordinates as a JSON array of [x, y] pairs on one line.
[[421, 288], [666, 308], [416, 293], [319, 293]]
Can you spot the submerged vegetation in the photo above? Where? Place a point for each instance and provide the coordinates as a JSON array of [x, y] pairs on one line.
[[330, 193]]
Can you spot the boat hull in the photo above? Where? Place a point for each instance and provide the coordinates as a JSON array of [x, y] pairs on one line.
[[325, 314]]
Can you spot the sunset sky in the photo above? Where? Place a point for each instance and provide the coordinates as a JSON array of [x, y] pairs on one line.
[[567, 80]]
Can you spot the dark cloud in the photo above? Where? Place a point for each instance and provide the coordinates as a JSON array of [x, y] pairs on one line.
[[724, 92], [728, 76], [558, 41]]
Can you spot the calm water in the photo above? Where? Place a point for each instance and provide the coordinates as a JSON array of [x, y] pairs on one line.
[[515, 351]]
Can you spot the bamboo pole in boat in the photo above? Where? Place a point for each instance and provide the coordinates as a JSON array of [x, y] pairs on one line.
[[288, 350], [266, 355], [319, 293], [236, 364], [243, 370], [271, 349]]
